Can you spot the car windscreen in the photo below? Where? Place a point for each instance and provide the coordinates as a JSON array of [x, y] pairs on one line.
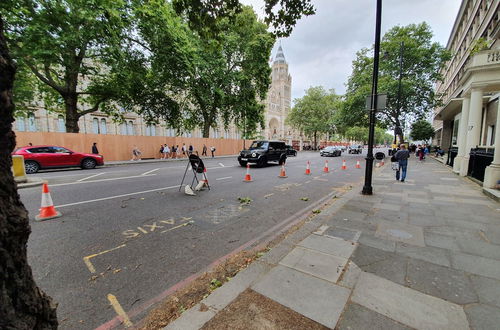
[[259, 145]]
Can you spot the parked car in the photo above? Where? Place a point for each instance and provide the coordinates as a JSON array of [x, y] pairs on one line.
[[342, 148], [43, 157], [290, 151], [262, 151], [355, 149], [330, 151]]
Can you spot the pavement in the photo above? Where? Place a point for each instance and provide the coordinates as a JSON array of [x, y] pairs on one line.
[[423, 254]]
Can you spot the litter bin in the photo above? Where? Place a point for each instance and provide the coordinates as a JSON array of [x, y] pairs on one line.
[[379, 155]]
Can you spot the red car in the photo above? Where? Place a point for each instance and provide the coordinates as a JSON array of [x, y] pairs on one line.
[[41, 157]]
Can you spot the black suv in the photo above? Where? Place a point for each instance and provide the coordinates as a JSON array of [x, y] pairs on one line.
[[263, 151]]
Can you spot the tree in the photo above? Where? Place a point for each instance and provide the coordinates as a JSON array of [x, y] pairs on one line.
[[230, 74], [422, 130], [360, 133], [422, 60], [313, 114], [22, 304], [70, 46]]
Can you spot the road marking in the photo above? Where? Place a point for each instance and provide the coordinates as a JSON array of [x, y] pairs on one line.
[[222, 165], [110, 179], [92, 176], [179, 226], [148, 172], [268, 195], [215, 168], [119, 310], [87, 262], [224, 178], [117, 196]]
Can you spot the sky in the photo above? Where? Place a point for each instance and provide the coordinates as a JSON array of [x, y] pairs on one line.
[[322, 47]]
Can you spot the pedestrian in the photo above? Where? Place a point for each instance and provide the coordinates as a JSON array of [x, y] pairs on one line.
[[420, 153], [136, 153], [161, 151], [212, 150], [204, 151], [95, 151], [184, 149], [166, 151], [30, 144], [173, 151], [177, 151], [402, 156], [190, 149]]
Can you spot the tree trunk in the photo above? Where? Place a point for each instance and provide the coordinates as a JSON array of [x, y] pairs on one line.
[[22, 304], [398, 133], [206, 129], [315, 140], [72, 116]]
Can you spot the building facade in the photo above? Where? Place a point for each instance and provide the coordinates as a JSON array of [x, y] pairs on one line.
[[468, 123]]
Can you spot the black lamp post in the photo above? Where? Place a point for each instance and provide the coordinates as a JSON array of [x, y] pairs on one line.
[[397, 129], [367, 188]]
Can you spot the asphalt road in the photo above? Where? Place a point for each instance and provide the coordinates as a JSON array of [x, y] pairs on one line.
[[127, 232]]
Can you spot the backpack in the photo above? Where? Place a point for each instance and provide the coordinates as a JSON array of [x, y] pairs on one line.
[[161, 149]]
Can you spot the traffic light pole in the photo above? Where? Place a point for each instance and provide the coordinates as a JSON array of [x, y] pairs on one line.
[[367, 188]]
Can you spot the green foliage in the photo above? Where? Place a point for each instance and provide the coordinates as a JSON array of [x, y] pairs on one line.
[[422, 130], [360, 134], [314, 113], [422, 60]]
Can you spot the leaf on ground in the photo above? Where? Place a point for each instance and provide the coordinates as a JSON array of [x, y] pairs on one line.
[[316, 211], [305, 199], [245, 200]]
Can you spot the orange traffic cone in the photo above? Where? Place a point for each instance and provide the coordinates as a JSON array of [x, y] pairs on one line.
[[308, 168], [357, 164], [325, 169], [248, 178], [382, 162], [282, 172], [47, 211], [344, 166]]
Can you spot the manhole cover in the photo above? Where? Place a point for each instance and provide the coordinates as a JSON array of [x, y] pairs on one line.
[[399, 233]]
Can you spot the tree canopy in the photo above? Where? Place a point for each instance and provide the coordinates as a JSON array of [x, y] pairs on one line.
[[421, 62], [422, 130], [314, 113]]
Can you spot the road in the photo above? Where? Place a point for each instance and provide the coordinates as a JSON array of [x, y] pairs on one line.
[[128, 232]]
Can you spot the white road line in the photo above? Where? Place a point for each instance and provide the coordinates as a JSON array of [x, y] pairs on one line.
[[117, 196], [110, 179], [92, 176], [214, 168], [227, 177], [148, 172], [222, 165]]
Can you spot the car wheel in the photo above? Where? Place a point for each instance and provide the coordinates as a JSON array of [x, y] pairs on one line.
[[88, 163], [244, 164], [262, 162], [31, 167]]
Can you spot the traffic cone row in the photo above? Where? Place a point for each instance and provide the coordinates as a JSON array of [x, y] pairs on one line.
[[308, 168], [344, 166], [282, 172], [357, 164], [325, 169], [47, 210]]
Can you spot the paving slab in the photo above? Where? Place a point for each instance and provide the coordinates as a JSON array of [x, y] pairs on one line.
[[476, 265], [329, 245], [378, 243], [347, 234], [441, 241], [480, 248], [357, 317], [487, 289], [483, 317], [312, 297], [350, 275], [392, 269], [400, 233], [428, 253], [442, 282], [393, 300], [321, 265]]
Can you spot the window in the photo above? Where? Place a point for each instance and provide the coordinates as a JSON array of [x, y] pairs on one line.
[[61, 127], [123, 128], [95, 126], [490, 138], [60, 150], [41, 150], [130, 128], [31, 122], [21, 124], [103, 128], [454, 137]]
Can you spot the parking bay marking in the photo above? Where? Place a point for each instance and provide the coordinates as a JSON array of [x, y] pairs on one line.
[[90, 266], [117, 196], [109, 179], [224, 178], [89, 177], [119, 310], [149, 172]]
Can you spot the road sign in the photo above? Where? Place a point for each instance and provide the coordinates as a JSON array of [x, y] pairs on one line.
[[381, 102]]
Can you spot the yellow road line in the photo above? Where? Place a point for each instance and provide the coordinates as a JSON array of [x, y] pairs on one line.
[[87, 262], [181, 225], [119, 310]]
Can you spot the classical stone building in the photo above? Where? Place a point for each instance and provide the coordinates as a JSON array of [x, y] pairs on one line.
[[467, 125]]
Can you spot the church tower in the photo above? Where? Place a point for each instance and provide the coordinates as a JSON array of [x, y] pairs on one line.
[[279, 99]]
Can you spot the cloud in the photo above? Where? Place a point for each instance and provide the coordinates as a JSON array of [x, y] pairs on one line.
[[322, 47]]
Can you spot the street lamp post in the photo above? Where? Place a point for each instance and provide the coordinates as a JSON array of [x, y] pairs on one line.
[[397, 129], [367, 188]]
